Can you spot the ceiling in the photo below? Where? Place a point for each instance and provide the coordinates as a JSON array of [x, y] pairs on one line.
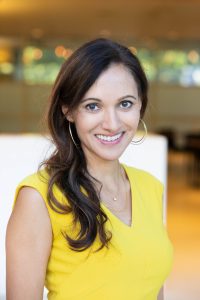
[[152, 22]]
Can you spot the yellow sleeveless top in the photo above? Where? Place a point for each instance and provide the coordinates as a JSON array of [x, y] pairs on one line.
[[135, 265]]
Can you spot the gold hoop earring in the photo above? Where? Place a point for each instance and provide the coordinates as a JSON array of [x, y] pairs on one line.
[[70, 132], [140, 141]]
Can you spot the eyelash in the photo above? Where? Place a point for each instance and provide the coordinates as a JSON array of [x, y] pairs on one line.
[[88, 106], [127, 101]]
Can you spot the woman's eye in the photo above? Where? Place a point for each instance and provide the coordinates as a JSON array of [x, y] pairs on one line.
[[92, 107], [126, 104]]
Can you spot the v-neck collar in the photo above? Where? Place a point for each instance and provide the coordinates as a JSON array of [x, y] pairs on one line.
[[111, 215]]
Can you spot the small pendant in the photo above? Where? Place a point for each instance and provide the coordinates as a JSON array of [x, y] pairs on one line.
[[115, 198]]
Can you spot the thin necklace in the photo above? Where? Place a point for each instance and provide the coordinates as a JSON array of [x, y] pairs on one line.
[[109, 204], [115, 197]]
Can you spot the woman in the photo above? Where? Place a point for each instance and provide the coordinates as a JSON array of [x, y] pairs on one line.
[[87, 226]]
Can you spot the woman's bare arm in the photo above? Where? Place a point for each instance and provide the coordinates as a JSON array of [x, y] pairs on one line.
[[28, 246]]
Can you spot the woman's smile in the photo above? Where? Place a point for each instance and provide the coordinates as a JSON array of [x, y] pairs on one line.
[[110, 139]]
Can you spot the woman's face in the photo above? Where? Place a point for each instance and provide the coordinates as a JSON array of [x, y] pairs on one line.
[[108, 115]]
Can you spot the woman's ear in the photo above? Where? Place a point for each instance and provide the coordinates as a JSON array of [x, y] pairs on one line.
[[67, 114]]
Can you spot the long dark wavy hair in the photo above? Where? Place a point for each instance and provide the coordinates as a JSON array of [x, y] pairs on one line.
[[67, 165]]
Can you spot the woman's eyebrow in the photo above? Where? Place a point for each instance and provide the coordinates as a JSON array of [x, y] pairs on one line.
[[99, 100], [92, 98]]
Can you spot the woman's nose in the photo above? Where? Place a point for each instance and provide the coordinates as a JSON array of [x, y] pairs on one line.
[[111, 120]]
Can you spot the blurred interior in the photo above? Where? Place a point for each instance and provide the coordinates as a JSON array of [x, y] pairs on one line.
[[37, 36]]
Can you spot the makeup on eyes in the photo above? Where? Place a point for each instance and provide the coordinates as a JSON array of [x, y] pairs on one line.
[[96, 106], [95, 103]]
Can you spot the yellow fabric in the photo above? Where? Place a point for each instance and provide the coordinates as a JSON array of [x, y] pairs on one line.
[[135, 265]]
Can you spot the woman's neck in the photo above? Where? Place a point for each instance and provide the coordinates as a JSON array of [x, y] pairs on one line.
[[107, 173]]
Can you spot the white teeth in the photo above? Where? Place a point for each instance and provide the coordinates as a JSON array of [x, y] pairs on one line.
[[109, 138]]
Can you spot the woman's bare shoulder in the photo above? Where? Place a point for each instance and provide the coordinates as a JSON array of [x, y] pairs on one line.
[[29, 214], [29, 200]]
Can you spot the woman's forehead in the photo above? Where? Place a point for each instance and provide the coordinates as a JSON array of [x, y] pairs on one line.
[[116, 81]]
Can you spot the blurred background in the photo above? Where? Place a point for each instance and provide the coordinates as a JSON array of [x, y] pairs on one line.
[[37, 36]]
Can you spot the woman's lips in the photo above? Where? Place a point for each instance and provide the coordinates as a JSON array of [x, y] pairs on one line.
[[110, 139]]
